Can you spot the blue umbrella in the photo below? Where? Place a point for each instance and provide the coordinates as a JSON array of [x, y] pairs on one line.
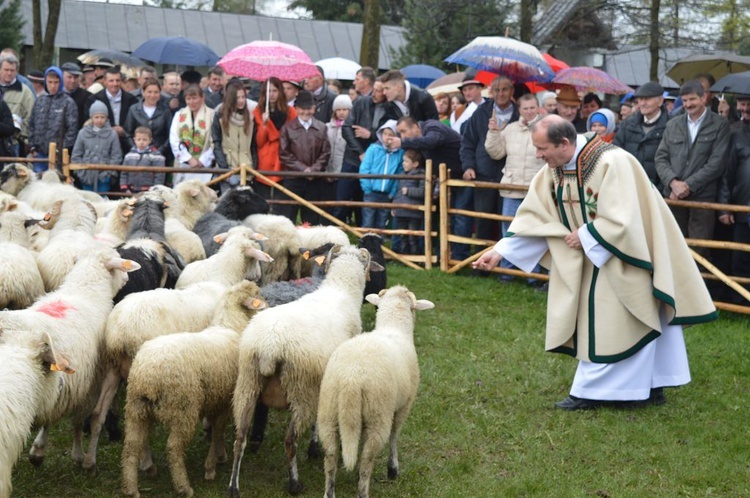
[[738, 83], [176, 50], [422, 74], [517, 60]]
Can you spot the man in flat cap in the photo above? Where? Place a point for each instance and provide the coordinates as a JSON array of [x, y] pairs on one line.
[[100, 68], [640, 134], [72, 86]]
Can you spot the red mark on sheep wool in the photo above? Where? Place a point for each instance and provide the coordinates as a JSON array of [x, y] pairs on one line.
[[55, 309]]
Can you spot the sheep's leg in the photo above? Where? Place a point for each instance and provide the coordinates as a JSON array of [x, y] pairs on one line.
[[76, 452], [370, 448], [260, 420], [36, 454], [180, 434], [99, 415], [313, 451], [398, 422], [136, 440], [330, 464], [216, 451], [291, 441], [147, 461], [240, 441]]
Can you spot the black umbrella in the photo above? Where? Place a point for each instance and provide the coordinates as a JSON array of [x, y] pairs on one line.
[[738, 83]]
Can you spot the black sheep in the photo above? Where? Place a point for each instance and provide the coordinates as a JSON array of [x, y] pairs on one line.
[[233, 207], [374, 244], [147, 245]]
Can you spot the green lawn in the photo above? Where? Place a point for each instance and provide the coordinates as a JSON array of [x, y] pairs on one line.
[[484, 424]]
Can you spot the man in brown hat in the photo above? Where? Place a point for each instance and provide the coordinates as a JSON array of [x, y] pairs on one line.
[[568, 105], [36, 77], [471, 89]]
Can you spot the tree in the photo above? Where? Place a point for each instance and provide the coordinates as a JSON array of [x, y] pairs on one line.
[[391, 11], [11, 24], [44, 46], [436, 29], [369, 52]]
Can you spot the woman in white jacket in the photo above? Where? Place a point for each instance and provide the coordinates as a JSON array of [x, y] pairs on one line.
[[514, 141]]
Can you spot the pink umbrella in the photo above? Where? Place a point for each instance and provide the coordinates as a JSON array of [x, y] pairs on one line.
[[588, 79], [260, 60]]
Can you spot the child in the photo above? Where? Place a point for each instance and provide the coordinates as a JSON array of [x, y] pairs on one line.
[[97, 143], [380, 160], [602, 122], [342, 105], [410, 191], [304, 147], [142, 154]]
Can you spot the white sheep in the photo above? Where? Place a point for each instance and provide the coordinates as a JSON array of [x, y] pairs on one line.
[[368, 389], [283, 246], [19, 180], [112, 229], [137, 319], [74, 316], [177, 379], [20, 280], [284, 351], [71, 225], [238, 258], [31, 371], [188, 202]]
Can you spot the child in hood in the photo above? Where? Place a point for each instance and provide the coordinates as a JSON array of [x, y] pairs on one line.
[[602, 122], [380, 160], [97, 143]]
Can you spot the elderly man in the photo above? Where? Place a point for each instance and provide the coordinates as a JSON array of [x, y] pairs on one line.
[[406, 99], [622, 280], [568, 105], [690, 161], [144, 74], [641, 133], [72, 86], [170, 91], [471, 90], [364, 81], [18, 96], [323, 97]]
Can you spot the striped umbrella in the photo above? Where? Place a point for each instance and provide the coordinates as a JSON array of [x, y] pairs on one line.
[[519, 61]]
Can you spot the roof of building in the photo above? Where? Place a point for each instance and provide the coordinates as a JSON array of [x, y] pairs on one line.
[[552, 21], [88, 25]]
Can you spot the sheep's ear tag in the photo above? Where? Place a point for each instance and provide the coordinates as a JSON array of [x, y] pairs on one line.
[[319, 260], [64, 368], [127, 265], [306, 255], [127, 213], [219, 239], [47, 216], [260, 236], [256, 304]]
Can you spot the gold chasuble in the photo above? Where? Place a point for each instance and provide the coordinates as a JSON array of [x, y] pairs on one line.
[[604, 315]]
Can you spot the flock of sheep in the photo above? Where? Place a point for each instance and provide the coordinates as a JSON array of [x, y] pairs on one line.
[[209, 309]]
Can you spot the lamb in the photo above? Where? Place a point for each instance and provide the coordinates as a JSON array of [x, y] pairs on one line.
[[74, 316], [20, 280], [177, 379], [368, 388], [374, 244], [284, 350], [238, 257], [19, 180], [30, 372], [71, 224], [283, 245], [147, 244], [188, 202], [112, 229], [136, 319], [316, 236], [233, 207]]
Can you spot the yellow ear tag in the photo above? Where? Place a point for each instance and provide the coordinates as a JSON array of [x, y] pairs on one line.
[[47, 216], [56, 368], [127, 264], [256, 303], [306, 255]]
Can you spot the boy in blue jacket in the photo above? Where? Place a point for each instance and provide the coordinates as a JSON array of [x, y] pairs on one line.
[[380, 160]]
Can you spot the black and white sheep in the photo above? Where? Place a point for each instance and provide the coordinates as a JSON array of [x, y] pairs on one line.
[[374, 245], [234, 206], [368, 389], [284, 351], [177, 379], [20, 280]]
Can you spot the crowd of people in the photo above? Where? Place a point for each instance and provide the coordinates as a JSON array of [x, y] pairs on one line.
[[693, 146]]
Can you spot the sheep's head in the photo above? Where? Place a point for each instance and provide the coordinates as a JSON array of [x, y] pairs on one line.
[[8, 203], [52, 359], [399, 293], [241, 202], [14, 177]]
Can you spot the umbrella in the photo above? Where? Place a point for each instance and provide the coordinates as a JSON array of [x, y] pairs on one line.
[[339, 68], [260, 60], [501, 55], [422, 74], [717, 66], [119, 58], [738, 83], [589, 79], [446, 84], [176, 50]]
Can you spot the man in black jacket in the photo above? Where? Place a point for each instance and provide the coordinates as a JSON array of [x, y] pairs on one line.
[[641, 133], [72, 86], [323, 98], [367, 115], [407, 99]]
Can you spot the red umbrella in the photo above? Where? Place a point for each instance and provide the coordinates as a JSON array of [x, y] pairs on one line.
[[589, 79], [260, 60], [556, 64]]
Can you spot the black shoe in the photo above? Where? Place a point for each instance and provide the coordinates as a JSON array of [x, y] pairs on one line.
[[573, 403], [657, 396]]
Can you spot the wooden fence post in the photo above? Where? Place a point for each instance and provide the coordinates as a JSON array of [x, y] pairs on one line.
[[444, 203], [428, 188], [52, 157]]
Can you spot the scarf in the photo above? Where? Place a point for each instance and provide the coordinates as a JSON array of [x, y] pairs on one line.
[[194, 133]]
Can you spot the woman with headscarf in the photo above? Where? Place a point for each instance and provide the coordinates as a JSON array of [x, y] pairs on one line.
[[233, 130], [602, 122], [268, 123]]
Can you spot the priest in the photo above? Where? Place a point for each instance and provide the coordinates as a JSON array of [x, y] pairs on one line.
[[622, 280]]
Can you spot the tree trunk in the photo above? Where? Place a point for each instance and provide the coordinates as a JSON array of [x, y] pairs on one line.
[[526, 20], [44, 48], [369, 52], [654, 40]]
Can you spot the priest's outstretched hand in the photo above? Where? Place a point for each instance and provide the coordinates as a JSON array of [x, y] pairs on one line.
[[573, 240], [488, 261]]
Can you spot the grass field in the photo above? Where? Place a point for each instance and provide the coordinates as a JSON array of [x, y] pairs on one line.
[[484, 424]]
